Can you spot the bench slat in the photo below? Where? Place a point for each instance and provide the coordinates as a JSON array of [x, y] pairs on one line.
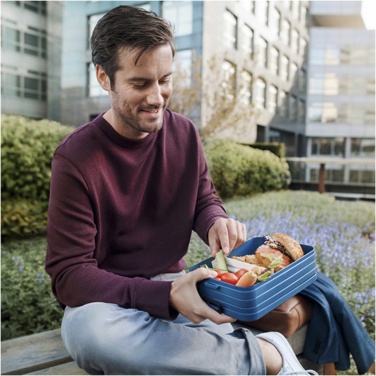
[[32, 353], [70, 368]]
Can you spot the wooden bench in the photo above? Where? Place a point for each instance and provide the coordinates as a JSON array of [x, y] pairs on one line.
[[37, 354], [45, 354]]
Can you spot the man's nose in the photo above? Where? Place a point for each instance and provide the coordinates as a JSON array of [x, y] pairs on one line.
[[155, 96]]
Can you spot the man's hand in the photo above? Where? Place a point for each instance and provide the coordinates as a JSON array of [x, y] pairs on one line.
[[226, 234], [185, 298]]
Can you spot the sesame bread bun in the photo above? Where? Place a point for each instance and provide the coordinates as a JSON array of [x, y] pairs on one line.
[[291, 247]]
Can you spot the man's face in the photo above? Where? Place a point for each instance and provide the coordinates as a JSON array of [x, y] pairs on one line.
[[141, 92]]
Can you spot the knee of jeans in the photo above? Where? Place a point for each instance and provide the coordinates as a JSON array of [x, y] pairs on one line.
[[84, 331], [88, 335]]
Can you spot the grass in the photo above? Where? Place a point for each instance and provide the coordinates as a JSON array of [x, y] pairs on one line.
[[342, 232]]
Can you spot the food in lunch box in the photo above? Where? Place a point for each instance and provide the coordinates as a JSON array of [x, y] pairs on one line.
[[278, 251]]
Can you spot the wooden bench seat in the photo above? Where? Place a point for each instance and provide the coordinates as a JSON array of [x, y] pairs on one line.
[[37, 354], [45, 354]]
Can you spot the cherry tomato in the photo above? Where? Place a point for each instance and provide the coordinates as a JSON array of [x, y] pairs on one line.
[[229, 278], [241, 272], [219, 272]]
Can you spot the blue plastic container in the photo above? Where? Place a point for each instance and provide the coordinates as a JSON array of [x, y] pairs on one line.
[[251, 303]]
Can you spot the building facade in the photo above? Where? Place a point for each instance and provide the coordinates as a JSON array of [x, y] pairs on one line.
[[340, 122], [30, 62], [306, 68]]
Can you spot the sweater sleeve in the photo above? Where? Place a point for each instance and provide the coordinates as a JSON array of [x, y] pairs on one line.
[[71, 258], [209, 206]]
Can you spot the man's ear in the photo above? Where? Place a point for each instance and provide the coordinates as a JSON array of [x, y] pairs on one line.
[[102, 78]]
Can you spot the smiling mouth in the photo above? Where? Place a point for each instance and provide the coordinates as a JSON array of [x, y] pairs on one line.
[[152, 111]]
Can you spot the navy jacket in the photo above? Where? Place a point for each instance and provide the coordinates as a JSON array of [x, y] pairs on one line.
[[334, 332]]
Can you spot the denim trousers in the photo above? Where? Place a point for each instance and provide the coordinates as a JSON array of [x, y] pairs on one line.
[[107, 339]]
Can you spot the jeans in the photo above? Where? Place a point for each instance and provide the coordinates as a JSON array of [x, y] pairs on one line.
[[107, 339]]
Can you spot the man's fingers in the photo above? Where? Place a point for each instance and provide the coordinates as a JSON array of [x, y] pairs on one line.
[[226, 234]]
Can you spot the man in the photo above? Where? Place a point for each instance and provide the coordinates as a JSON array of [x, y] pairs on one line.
[[127, 189]]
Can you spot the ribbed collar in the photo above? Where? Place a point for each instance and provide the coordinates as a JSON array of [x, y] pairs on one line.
[[116, 137]]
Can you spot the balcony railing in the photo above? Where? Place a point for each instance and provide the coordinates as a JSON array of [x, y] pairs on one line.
[[325, 174]]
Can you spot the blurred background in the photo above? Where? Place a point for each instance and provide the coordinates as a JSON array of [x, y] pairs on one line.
[[300, 73]]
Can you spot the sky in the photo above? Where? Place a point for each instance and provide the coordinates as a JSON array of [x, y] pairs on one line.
[[369, 14]]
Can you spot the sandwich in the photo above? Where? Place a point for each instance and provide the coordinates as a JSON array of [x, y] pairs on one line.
[[277, 252]]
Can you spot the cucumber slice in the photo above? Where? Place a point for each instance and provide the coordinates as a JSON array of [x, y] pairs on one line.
[[220, 261]]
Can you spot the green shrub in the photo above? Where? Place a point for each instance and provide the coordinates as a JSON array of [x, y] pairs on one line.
[[27, 147], [22, 218], [27, 304], [240, 170], [277, 148]]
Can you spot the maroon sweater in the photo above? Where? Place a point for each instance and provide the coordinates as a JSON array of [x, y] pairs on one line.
[[122, 211]]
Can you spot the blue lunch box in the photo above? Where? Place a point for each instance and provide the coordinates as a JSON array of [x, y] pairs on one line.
[[251, 303]]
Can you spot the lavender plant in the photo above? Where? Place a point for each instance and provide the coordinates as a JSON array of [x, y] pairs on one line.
[[341, 232]]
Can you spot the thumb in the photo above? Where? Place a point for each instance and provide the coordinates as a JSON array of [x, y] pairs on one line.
[[203, 273]]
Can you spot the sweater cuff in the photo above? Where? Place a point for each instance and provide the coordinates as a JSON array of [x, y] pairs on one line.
[[154, 298]]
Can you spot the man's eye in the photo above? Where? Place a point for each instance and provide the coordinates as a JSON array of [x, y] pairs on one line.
[[139, 85]]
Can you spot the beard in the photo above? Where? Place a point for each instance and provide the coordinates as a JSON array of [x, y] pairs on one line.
[[138, 120]]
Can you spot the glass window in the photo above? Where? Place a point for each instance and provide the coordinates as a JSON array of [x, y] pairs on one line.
[[249, 6], [315, 113], [302, 46], [275, 19], [317, 55], [328, 146], [301, 110], [92, 21], [10, 39], [246, 89], [263, 52], [339, 146], [11, 85], [229, 82], [285, 31], [295, 40], [183, 64], [180, 13], [363, 147], [324, 148], [284, 67], [93, 87], [303, 12], [293, 70], [247, 41], [302, 81], [316, 83], [273, 60], [283, 104], [36, 6], [31, 40], [31, 88], [293, 107], [330, 84], [263, 12], [260, 93], [272, 98], [331, 55], [230, 29]]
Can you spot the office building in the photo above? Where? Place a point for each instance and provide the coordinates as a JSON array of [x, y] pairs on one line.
[[30, 58], [306, 69], [340, 121]]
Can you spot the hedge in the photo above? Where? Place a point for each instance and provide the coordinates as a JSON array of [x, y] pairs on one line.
[[277, 148], [239, 170], [27, 147]]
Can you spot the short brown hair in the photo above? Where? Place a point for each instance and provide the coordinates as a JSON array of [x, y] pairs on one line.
[[130, 27]]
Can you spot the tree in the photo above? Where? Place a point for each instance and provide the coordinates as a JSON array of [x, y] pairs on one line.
[[220, 97]]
